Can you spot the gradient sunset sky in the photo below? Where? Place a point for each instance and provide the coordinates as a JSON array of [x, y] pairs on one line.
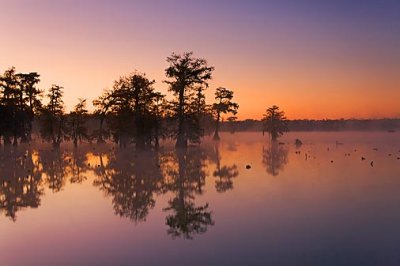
[[314, 59]]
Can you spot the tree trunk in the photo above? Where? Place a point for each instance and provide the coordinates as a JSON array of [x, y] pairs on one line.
[[6, 140], [181, 140], [156, 137], [274, 136], [15, 141], [56, 145], [216, 133], [59, 134], [100, 138]]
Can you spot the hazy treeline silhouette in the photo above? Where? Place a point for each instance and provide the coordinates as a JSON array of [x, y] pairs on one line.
[[319, 125], [132, 111]]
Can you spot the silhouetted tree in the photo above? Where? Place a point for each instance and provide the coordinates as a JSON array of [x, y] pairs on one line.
[[232, 124], [203, 112], [133, 110], [223, 105], [11, 106], [103, 105], [18, 103], [146, 103], [77, 123], [53, 117], [275, 122], [158, 116], [186, 74], [31, 102], [32, 93]]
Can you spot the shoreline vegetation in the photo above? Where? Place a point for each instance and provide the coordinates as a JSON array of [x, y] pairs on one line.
[[134, 112]]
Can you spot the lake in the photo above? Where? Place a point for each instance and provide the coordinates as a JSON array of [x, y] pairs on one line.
[[335, 200]]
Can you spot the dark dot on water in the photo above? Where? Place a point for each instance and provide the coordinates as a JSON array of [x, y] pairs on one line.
[[332, 161], [389, 154], [248, 166], [362, 158]]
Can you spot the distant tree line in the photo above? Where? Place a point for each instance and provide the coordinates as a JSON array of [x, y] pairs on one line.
[[389, 125], [131, 112]]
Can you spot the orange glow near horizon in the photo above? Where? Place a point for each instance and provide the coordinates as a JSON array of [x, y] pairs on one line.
[[312, 68]]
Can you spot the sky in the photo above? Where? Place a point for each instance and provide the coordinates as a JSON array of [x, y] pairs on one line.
[[314, 59]]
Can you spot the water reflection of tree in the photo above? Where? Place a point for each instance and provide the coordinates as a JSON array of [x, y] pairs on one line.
[[131, 179], [20, 182], [232, 146], [275, 157], [78, 166], [224, 174], [24, 174], [55, 164], [185, 176]]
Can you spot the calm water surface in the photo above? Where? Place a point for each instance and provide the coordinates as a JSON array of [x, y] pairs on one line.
[[335, 200]]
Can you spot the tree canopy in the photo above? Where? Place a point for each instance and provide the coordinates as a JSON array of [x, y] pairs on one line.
[[186, 74], [223, 105]]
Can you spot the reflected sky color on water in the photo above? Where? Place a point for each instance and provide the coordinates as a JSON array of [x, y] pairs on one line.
[[332, 201]]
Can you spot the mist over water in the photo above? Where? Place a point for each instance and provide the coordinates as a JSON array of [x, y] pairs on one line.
[[241, 201]]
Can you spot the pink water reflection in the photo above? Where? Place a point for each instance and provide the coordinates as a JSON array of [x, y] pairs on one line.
[[102, 206]]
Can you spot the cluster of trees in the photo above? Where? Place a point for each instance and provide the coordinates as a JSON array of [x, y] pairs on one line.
[[18, 104], [131, 112], [21, 104]]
